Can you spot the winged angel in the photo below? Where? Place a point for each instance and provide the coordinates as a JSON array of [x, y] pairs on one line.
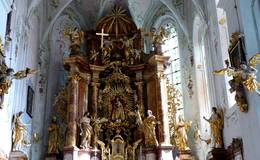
[[246, 74]]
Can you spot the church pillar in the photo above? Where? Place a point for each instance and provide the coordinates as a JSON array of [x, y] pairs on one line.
[[72, 107], [95, 84], [159, 64], [85, 100], [140, 95]]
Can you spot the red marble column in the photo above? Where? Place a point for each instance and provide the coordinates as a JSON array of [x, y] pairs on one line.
[[140, 95], [72, 110], [165, 148], [95, 86]]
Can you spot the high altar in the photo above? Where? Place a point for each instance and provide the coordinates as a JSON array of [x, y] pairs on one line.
[[114, 105]]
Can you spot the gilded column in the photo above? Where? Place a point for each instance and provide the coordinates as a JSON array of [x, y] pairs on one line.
[[71, 135]]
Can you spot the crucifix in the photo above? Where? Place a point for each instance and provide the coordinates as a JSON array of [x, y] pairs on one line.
[[102, 34]]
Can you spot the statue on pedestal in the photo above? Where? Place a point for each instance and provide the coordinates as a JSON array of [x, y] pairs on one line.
[[53, 132], [149, 125], [76, 37], [86, 131], [181, 134], [18, 132], [216, 125], [118, 112]]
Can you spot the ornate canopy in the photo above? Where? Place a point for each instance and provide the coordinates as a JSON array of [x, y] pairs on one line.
[[117, 23]]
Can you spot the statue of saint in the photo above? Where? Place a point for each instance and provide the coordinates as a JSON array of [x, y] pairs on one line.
[[149, 125], [53, 131], [118, 110], [86, 131], [216, 125], [76, 37], [18, 132], [158, 39], [181, 134]]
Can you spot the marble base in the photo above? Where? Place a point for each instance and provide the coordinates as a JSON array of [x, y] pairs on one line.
[[186, 155], [165, 152], [17, 155], [150, 153], [84, 154], [70, 153]]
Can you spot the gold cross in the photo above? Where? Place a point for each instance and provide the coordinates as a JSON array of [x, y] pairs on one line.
[[102, 34]]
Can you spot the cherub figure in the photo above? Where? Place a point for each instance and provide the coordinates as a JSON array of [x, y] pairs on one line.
[[6, 78], [246, 74]]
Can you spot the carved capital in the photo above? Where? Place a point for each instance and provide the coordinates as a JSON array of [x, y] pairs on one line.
[[75, 77]]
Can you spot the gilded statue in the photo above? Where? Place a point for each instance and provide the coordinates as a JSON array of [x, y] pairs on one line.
[[6, 77], [158, 39], [149, 125], [246, 74], [181, 138], [118, 112], [53, 132], [216, 124], [85, 131], [236, 85], [18, 132], [76, 37]]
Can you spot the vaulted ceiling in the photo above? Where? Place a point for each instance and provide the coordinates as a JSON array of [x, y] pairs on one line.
[[92, 11]]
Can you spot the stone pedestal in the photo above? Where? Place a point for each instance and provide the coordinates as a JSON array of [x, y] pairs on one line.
[[165, 152], [150, 153], [50, 156], [217, 154], [17, 155], [84, 154], [70, 153], [186, 155]]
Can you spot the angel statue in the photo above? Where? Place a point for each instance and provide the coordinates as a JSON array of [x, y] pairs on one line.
[[86, 131], [76, 37], [6, 77], [216, 125], [246, 74], [19, 129]]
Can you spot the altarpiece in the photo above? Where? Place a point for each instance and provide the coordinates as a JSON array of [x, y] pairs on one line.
[[114, 93]]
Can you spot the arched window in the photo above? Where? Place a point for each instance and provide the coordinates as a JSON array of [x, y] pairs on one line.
[[171, 48]]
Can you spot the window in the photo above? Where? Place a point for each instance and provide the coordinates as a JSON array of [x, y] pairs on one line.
[[171, 48]]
